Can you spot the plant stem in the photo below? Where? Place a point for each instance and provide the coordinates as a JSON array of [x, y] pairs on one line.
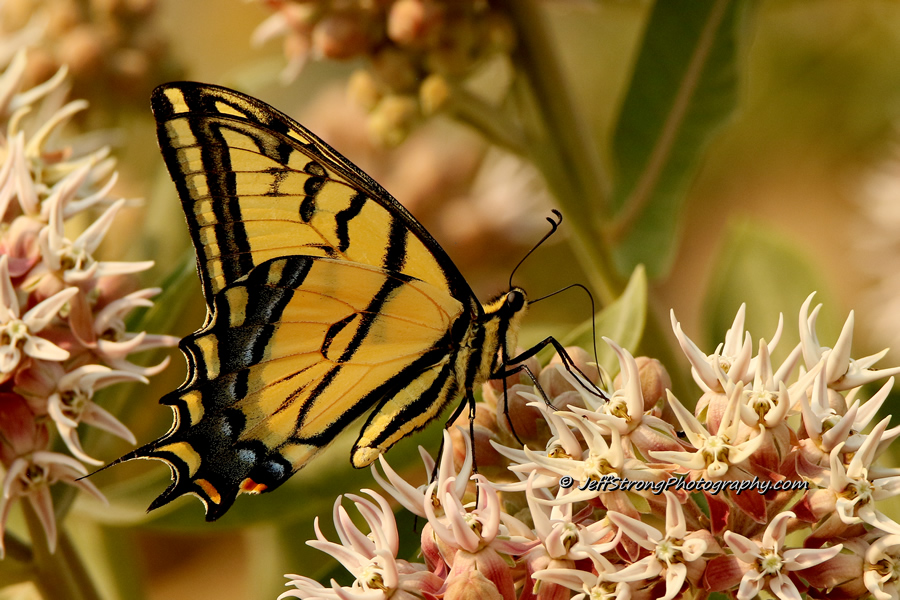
[[60, 574], [565, 151], [82, 578], [490, 122]]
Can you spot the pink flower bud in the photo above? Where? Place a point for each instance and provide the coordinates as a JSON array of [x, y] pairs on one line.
[[340, 36], [412, 21]]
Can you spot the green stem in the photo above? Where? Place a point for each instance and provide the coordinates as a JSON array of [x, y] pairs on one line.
[[52, 577], [16, 549], [82, 578], [565, 151], [495, 125], [60, 574]]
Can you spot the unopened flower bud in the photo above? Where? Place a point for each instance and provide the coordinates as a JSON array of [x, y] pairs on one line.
[[433, 94], [83, 49], [340, 36], [515, 419], [501, 36], [363, 89], [655, 381], [412, 21], [710, 409], [458, 47], [470, 584], [392, 119], [490, 463], [522, 377], [394, 68]]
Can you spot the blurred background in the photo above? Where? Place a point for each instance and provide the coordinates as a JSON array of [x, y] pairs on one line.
[[742, 152]]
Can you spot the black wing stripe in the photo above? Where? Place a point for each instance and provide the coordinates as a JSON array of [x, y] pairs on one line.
[[343, 218], [395, 255], [253, 119]]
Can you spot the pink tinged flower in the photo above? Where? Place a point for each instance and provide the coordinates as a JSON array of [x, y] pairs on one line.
[[561, 536], [767, 402], [370, 558], [114, 343], [732, 361], [765, 406], [715, 454], [856, 493], [826, 428], [625, 411], [474, 537], [593, 586], [882, 568], [413, 498], [72, 404], [17, 334], [31, 476], [74, 260], [672, 553], [562, 445], [841, 371], [601, 458], [769, 564]]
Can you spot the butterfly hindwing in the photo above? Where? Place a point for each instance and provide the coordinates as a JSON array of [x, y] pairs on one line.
[[257, 185], [297, 350]]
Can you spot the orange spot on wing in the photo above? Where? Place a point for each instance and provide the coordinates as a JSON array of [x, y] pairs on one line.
[[248, 486], [210, 490]]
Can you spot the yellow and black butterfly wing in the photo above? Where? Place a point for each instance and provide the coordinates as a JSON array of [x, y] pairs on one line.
[[325, 298], [256, 185], [295, 352]]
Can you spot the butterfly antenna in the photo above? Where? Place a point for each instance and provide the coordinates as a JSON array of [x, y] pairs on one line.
[[554, 225], [593, 320]]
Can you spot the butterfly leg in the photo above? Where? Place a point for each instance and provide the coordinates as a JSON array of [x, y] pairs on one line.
[[568, 363], [518, 369], [469, 402]]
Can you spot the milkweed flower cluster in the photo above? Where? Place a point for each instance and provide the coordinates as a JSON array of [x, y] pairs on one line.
[[768, 487], [420, 51], [112, 49], [62, 310]]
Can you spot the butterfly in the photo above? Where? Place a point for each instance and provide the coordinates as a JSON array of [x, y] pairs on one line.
[[325, 300]]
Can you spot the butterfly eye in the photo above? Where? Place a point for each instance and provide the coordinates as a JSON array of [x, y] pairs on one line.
[[515, 300]]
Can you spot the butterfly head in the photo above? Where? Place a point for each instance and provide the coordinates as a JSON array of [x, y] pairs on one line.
[[504, 316], [515, 303]]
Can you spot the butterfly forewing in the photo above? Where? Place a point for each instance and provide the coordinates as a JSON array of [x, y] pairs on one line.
[[257, 185]]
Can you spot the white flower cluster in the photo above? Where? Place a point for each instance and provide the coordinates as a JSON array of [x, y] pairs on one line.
[[554, 518], [62, 311]]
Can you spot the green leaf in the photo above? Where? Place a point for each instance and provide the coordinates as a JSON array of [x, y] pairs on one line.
[[683, 89], [622, 321], [772, 275]]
